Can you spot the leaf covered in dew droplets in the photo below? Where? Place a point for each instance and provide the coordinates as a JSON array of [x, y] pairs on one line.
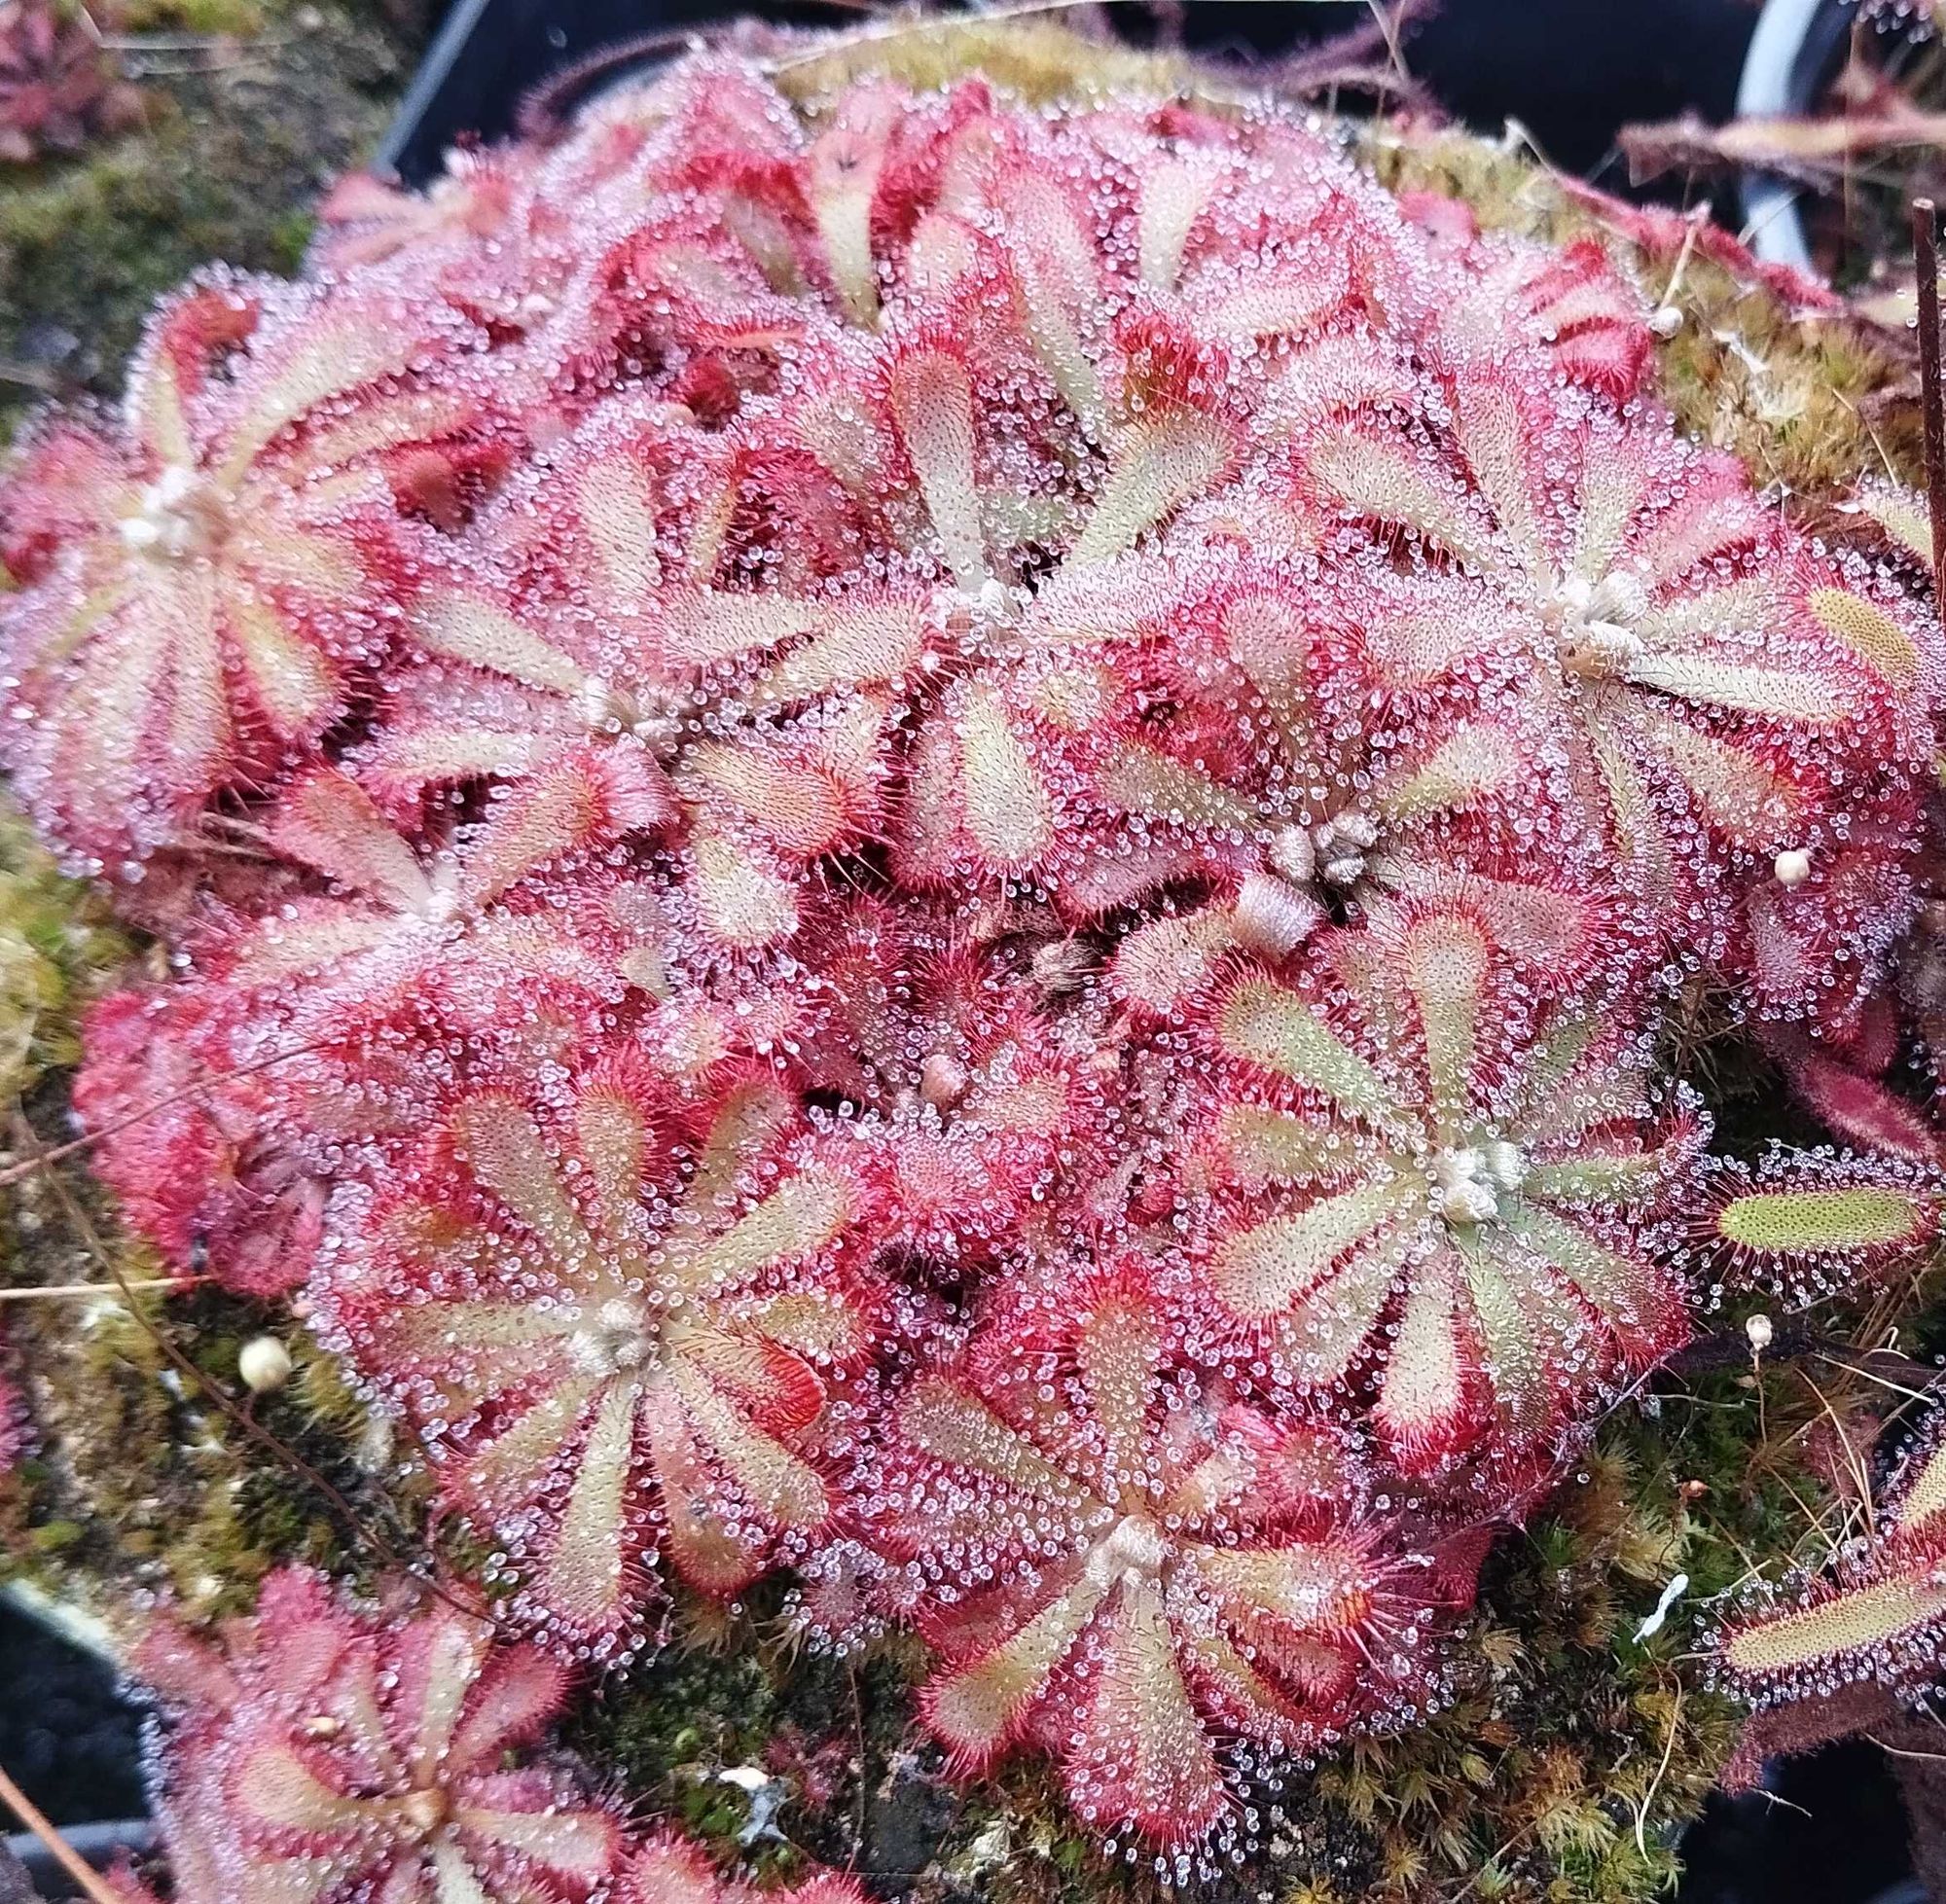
[[948, 845], [1878, 1614], [332, 1751], [670, 1870], [1810, 1224]]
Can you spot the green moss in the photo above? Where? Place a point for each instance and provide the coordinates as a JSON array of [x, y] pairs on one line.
[[1035, 60], [56, 947], [241, 19]]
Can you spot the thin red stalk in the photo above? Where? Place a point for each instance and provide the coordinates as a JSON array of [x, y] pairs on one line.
[[1926, 258]]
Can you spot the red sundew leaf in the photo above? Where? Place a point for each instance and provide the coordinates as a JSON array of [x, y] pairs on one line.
[[1811, 1224], [190, 1149], [1878, 1616], [1819, 936], [1894, 516], [337, 1750], [1849, 1103], [697, 1310], [1665, 234], [1576, 304], [204, 600], [670, 1870], [1873, 1620], [669, 288], [365, 220], [1451, 223]]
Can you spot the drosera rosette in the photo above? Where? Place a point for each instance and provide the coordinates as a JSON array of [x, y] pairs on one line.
[[617, 593], [61, 89], [1121, 1562], [1871, 922], [1732, 689], [1440, 1175], [225, 1098], [1574, 301], [660, 244], [332, 1751], [1877, 1615], [189, 1144], [623, 1327], [206, 581]]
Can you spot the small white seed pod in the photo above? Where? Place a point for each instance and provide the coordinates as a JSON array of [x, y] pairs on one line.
[[265, 1364]]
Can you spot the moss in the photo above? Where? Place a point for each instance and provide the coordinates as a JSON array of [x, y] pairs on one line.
[[241, 20], [1035, 60], [57, 946]]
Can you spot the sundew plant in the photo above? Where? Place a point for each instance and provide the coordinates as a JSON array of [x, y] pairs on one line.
[[932, 862]]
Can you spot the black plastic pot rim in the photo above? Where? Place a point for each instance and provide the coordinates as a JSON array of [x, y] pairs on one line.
[[98, 1845]]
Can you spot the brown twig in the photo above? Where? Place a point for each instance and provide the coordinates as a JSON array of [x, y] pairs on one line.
[[1730, 1349], [36, 1291], [1926, 258], [40, 1159], [58, 1849]]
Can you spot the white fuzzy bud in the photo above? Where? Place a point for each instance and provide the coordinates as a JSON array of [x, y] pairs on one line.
[[265, 1364], [941, 1081], [1273, 917], [1292, 855]]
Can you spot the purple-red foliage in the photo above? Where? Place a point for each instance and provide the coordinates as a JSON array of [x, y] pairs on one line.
[[949, 851], [340, 1752]]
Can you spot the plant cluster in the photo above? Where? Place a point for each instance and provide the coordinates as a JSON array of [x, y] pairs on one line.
[[321, 1750], [950, 849]]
